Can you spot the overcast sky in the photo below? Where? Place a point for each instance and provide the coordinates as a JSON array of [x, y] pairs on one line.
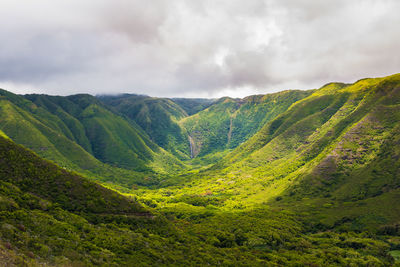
[[194, 48]]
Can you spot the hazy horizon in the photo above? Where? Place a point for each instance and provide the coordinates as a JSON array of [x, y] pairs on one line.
[[188, 97]]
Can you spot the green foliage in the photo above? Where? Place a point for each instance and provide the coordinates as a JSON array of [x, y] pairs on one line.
[[38, 226], [200, 127], [81, 134], [307, 179], [158, 117], [229, 122], [333, 155], [44, 179]]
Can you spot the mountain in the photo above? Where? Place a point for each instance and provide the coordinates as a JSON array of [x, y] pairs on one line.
[[80, 133], [229, 122], [202, 127], [50, 216], [296, 178], [333, 156], [31, 174], [157, 116]]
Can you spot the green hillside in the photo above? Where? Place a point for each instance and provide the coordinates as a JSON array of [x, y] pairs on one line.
[[34, 175], [307, 178], [229, 122], [80, 134], [49, 216], [158, 117], [202, 127], [333, 156]]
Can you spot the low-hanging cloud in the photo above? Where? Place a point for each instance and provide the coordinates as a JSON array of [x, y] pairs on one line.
[[194, 48]]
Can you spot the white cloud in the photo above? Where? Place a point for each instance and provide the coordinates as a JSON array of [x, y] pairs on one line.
[[194, 48]]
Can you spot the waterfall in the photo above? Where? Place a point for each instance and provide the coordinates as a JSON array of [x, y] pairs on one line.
[[191, 147]]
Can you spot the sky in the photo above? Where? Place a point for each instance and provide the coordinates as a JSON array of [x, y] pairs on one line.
[[192, 48]]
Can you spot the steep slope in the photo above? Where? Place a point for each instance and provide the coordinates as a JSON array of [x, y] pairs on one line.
[[202, 127], [157, 116], [332, 156], [41, 178], [110, 138], [307, 189], [39, 130], [79, 133], [229, 122], [49, 216]]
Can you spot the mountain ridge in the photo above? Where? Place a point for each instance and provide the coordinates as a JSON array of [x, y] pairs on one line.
[[293, 178]]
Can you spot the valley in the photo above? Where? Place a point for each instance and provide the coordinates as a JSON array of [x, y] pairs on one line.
[[294, 178]]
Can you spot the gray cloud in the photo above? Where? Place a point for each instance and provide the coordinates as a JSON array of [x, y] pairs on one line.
[[194, 48]]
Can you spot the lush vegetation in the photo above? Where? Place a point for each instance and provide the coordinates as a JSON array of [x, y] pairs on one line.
[[79, 133], [229, 122], [157, 116], [207, 129], [307, 178]]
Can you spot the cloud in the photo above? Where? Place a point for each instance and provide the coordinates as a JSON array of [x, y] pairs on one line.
[[194, 48]]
